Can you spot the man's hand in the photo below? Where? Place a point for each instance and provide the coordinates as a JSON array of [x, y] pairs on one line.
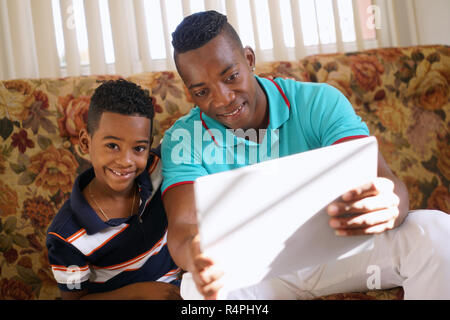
[[369, 209], [206, 275], [373, 208], [184, 243]]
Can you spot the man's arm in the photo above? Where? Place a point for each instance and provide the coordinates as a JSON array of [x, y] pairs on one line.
[[180, 208], [183, 240], [376, 207]]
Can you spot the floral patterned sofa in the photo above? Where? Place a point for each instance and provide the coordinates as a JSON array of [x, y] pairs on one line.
[[402, 93]]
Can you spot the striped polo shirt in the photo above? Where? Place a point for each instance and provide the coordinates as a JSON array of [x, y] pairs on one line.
[[86, 252]]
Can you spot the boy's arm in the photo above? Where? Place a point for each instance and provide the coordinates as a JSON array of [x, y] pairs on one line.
[[151, 290], [183, 241]]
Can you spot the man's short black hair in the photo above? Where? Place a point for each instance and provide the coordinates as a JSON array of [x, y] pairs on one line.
[[199, 28], [118, 96]]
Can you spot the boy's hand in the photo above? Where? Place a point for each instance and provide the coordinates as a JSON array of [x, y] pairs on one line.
[[206, 275], [369, 209]]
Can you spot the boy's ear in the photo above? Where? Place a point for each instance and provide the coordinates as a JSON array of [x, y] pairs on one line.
[[84, 141]]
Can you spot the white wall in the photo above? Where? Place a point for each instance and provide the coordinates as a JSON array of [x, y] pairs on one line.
[[433, 21]]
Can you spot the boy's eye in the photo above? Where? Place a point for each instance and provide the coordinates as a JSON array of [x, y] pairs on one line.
[[200, 93], [140, 148], [112, 146]]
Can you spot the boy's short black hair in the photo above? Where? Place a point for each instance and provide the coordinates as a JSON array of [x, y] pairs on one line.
[[199, 28], [118, 96]]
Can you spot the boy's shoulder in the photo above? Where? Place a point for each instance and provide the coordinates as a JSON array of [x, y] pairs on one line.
[[64, 224], [67, 221]]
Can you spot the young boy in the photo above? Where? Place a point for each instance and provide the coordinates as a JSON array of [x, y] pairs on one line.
[[108, 241]]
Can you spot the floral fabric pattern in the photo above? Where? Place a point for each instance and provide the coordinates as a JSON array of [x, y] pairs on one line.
[[403, 95]]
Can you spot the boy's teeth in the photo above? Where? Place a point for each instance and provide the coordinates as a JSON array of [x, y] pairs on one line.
[[118, 173]]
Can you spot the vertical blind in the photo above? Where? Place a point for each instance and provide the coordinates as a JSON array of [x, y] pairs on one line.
[[54, 38]]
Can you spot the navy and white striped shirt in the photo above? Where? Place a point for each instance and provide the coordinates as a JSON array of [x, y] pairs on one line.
[[86, 252]]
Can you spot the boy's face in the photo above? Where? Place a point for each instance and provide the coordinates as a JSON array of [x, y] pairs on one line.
[[118, 149], [219, 78]]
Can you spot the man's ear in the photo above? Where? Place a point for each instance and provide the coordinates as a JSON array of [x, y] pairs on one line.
[[250, 57], [84, 141]]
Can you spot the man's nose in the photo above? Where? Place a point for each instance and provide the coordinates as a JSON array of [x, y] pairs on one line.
[[223, 96]]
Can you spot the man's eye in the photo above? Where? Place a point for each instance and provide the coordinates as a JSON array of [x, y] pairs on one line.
[[233, 76]]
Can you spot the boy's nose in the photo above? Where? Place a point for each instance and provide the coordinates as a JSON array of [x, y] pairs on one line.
[[125, 159]]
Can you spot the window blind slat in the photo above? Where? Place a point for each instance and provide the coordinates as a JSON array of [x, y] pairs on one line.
[[6, 53], [357, 23], [337, 27], [186, 4], [277, 30], [255, 28], [411, 11], [70, 38], [318, 28], [97, 61], [383, 39], [392, 23], [232, 16], [300, 51], [142, 36], [22, 39], [214, 5], [124, 37], [47, 53], [167, 36]]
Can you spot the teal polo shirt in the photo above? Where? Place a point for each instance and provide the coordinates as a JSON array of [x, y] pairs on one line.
[[302, 116]]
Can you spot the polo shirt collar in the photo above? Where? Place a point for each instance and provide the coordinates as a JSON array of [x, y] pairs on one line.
[[279, 105], [279, 112], [87, 217]]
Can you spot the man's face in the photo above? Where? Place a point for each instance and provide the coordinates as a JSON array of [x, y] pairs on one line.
[[119, 150], [221, 83]]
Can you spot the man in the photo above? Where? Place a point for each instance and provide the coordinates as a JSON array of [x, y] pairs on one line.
[[218, 73]]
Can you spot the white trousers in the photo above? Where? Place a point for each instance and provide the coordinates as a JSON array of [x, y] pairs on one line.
[[415, 255]]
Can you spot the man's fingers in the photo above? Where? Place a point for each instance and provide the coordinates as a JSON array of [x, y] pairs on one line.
[[368, 204], [211, 291], [379, 228], [208, 282], [208, 274], [364, 220], [369, 189], [200, 261]]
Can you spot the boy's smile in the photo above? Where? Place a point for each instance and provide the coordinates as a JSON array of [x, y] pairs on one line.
[[119, 150]]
